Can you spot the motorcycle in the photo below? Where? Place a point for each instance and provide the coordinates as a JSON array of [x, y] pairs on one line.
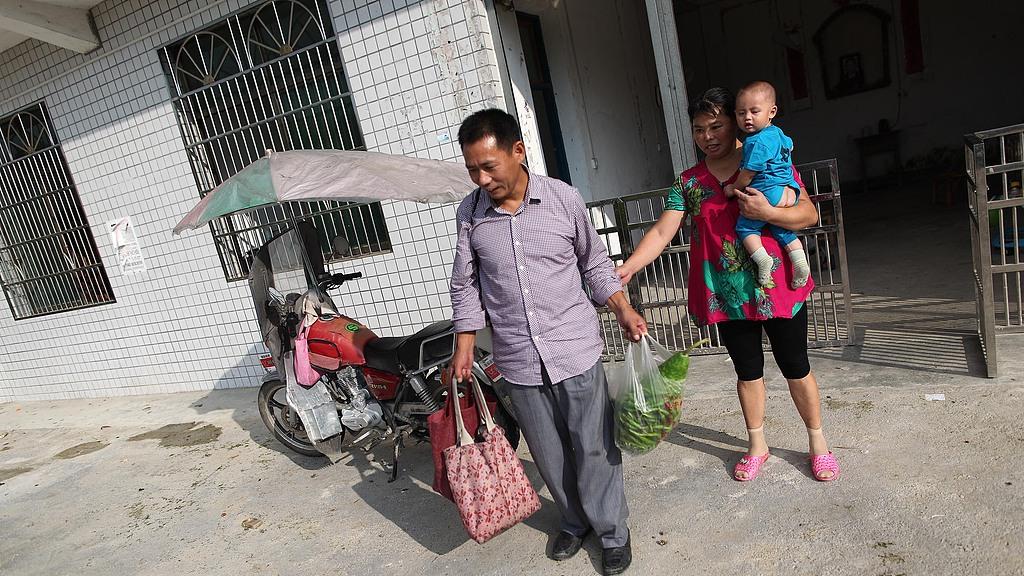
[[374, 389]]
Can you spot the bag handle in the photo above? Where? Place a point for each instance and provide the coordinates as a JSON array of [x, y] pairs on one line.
[[633, 364], [666, 353], [642, 355], [302, 331], [481, 406], [658, 348], [464, 437]]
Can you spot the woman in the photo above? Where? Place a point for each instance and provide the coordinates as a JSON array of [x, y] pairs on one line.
[[723, 289]]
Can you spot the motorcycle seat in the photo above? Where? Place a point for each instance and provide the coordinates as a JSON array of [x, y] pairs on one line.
[[392, 354]]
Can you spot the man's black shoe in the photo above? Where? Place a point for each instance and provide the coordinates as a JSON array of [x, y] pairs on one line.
[[616, 560], [566, 546]]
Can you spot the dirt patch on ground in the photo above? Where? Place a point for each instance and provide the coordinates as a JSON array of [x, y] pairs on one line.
[[183, 434], [137, 511], [80, 450], [859, 408], [8, 473]]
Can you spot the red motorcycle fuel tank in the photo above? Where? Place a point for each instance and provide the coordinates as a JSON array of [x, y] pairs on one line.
[[337, 343]]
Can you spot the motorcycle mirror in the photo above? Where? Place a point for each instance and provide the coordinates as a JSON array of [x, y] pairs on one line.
[[276, 296], [340, 246]]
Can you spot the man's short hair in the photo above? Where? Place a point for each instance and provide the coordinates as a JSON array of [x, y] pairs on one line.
[[490, 122]]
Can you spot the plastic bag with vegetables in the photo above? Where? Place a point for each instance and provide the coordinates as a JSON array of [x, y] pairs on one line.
[[650, 400]]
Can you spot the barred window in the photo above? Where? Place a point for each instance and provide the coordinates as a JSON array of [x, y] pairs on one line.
[[48, 257], [269, 77]]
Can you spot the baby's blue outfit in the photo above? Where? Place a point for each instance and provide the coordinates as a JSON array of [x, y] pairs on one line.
[[768, 152]]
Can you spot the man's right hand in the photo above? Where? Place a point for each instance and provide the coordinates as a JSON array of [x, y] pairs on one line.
[[462, 362]]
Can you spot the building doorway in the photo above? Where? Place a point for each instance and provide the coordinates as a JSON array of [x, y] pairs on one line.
[[543, 92]]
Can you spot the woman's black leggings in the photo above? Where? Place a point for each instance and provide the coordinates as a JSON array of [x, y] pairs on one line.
[[789, 345]]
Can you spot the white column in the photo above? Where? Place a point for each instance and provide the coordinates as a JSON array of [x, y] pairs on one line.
[[508, 42], [669, 61]]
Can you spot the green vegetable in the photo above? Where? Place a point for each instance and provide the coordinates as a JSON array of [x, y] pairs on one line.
[[675, 367], [639, 430]]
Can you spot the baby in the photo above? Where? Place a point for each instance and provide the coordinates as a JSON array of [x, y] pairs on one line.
[[767, 166]]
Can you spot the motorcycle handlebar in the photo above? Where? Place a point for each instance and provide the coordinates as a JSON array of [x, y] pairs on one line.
[[335, 280]]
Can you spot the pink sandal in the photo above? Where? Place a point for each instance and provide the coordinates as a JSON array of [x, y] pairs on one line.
[[749, 464], [824, 463]]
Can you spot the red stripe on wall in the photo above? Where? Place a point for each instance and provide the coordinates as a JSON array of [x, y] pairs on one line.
[[913, 52], [797, 73]]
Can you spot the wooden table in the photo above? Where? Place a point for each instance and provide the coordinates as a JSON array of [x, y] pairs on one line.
[[883, 144]]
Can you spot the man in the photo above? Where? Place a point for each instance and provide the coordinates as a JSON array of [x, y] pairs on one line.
[[525, 248]]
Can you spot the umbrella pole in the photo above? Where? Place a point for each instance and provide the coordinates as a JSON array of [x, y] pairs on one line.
[[306, 264]]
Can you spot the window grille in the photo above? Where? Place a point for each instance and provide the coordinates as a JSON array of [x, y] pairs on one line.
[[48, 257], [269, 77]]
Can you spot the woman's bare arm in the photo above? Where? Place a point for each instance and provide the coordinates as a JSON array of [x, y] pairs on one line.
[[652, 244], [754, 205]]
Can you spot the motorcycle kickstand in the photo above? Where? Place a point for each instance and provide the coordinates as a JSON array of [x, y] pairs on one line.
[[399, 444], [374, 442]]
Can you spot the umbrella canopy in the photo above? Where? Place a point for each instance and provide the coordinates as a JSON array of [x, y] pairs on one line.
[[336, 175]]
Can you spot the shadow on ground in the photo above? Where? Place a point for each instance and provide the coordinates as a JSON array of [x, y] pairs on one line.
[[436, 527], [401, 502], [709, 442], [906, 341], [911, 276], [247, 414]]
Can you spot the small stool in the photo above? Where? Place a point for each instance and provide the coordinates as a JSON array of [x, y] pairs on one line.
[[945, 185]]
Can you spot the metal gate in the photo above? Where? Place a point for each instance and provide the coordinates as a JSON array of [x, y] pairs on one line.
[[660, 290], [994, 174]]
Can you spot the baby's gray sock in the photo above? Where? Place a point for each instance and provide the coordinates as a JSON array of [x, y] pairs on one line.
[[801, 269], [764, 264]]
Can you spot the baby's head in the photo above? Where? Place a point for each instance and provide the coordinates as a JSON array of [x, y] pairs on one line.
[[755, 106]]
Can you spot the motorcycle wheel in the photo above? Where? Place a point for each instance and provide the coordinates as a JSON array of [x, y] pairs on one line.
[[282, 420]]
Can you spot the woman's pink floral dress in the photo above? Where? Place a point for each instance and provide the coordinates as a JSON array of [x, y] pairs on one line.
[[722, 284]]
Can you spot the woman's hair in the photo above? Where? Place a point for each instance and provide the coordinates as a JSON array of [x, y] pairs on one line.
[[714, 102]]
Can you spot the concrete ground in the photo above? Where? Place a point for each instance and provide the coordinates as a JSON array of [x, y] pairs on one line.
[[194, 484]]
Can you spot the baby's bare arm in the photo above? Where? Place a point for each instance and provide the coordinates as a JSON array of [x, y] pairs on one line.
[[744, 178], [741, 182]]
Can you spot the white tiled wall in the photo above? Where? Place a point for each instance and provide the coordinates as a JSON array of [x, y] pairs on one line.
[[416, 68]]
